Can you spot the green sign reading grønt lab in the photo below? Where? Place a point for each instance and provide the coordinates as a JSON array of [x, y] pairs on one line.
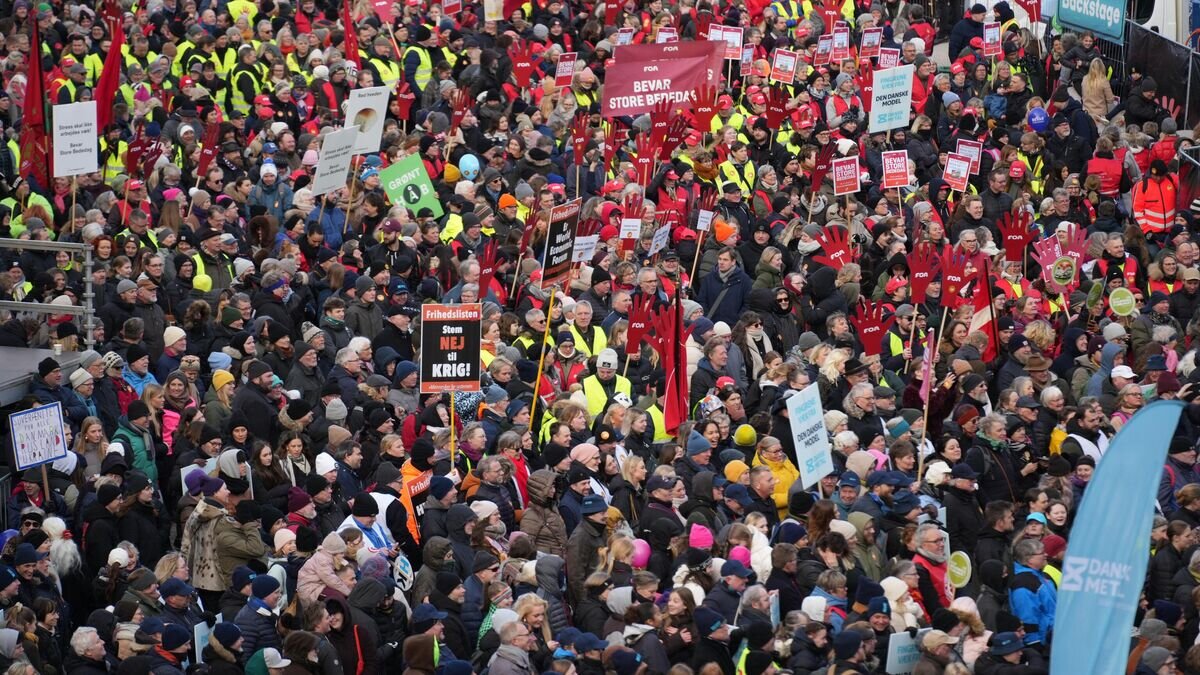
[[407, 183]]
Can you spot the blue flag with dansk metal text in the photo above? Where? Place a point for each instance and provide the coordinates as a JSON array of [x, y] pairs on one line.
[[1107, 555]]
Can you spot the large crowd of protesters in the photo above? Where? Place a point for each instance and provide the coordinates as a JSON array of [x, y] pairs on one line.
[[256, 484]]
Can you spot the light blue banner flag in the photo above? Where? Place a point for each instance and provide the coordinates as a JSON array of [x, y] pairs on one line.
[[1108, 551]]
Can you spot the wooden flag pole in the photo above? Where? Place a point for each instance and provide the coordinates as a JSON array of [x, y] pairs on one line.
[[936, 345], [453, 444], [537, 382]]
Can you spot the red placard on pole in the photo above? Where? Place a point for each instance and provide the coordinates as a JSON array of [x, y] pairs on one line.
[[895, 169]]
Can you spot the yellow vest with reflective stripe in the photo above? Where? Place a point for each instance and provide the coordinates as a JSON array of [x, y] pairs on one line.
[[660, 431], [389, 71], [597, 397], [114, 164], [236, 99], [452, 228], [424, 69], [744, 178], [581, 343], [93, 64], [199, 262]]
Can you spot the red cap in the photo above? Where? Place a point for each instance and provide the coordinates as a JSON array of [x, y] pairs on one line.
[[693, 138], [1017, 170], [187, 82], [724, 102], [136, 184], [894, 284], [977, 42], [753, 89], [957, 67], [557, 188], [725, 381], [671, 175], [612, 186], [262, 99], [758, 99], [608, 232]]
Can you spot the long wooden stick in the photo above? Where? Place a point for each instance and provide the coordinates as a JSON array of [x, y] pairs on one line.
[[453, 445], [537, 382], [696, 258], [928, 399]]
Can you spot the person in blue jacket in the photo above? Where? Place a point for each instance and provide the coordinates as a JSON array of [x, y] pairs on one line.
[[1031, 594]]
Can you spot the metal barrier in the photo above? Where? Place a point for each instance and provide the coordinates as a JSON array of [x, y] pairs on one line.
[[87, 309]]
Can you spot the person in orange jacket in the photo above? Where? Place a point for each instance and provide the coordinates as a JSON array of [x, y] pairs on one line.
[[1154, 200]]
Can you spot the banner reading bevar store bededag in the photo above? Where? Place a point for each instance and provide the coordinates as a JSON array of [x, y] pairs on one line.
[[645, 75]]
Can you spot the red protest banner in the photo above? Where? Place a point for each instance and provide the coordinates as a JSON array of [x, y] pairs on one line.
[[845, 176], [644, 75], [888, 58], [957, 172], [872, 40], [841, 42], [825, 48], [991, 40], [564, 71], [972, 149], [895, 169], [733, 42], [783, 66]]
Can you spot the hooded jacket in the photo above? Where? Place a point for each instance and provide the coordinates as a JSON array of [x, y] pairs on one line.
[[550, 570], [420, 655], [542, 521]]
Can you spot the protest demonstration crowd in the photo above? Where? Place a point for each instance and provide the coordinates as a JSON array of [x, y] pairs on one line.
[[650, 338]]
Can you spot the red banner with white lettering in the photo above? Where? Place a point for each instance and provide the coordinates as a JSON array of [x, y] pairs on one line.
[[645, 75]]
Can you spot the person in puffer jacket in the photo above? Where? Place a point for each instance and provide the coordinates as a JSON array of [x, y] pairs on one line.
[[258, 618], [542, 521], [550, 571]]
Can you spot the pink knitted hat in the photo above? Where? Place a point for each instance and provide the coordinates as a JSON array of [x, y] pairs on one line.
[[700, 537]]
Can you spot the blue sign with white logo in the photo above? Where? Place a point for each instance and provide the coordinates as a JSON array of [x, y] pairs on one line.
[[1106, 559]]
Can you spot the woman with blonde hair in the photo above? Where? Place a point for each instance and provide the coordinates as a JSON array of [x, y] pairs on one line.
[[531, 611], [618, 561], [172, 566], [1042, 335], [1097, 92], [1129, 400]]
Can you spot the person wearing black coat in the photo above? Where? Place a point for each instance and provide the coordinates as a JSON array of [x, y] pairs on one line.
[[101, 532], [994, 541], [218, 657], [726, 595], [1167, 561], [964, 517], [251, 400], [592, 612], [141, 523], [460, 540], [783, 578], [355, 645], [712, 645], [447, 597]]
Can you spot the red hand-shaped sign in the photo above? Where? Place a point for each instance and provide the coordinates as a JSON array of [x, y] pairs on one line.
[[835, 242], [871, 326], [923, 266], [705, 108], [1017, 234]]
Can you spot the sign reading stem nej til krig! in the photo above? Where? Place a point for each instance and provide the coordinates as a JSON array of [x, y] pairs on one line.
[[450, 343]]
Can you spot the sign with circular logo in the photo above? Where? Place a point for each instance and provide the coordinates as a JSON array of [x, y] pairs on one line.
[[1122, 302], [959, 570]]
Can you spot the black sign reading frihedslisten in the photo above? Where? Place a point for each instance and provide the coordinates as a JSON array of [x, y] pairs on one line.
[[560, 243], [450, 343]]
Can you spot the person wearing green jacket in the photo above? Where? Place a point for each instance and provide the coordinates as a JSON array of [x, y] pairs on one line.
[[133, 433]]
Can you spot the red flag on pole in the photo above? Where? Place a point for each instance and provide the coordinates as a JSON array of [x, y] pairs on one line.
[[35, 141], [110, 79], [351, 32], [984, 318]]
